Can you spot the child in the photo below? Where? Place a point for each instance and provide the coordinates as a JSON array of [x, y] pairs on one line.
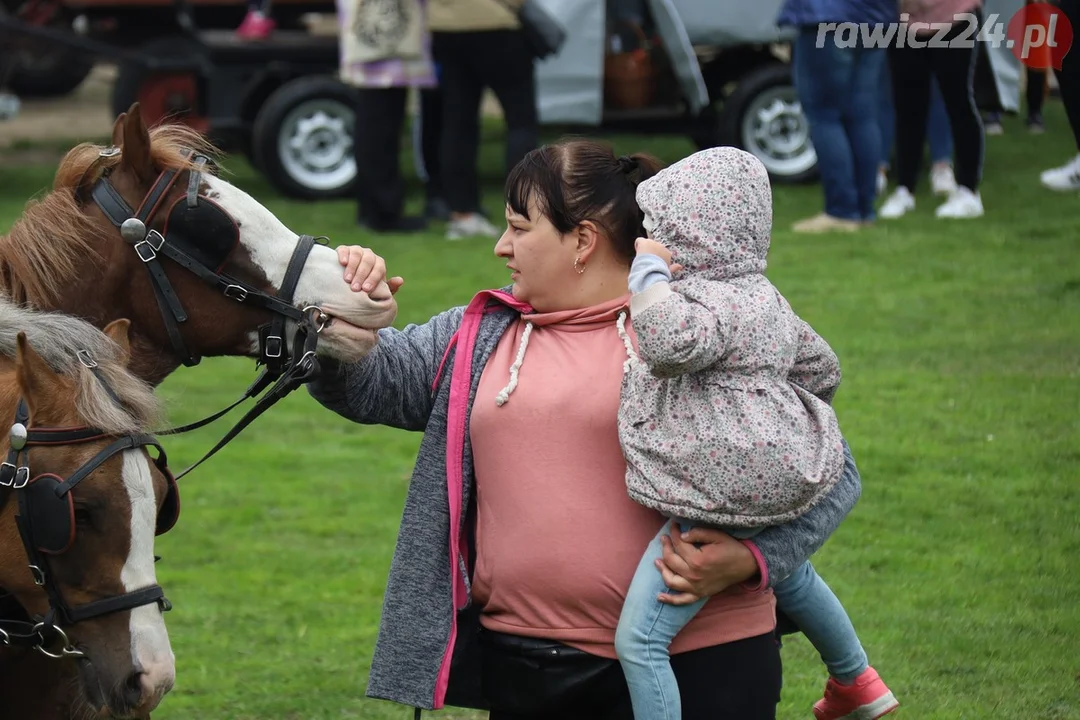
[[725, 418]]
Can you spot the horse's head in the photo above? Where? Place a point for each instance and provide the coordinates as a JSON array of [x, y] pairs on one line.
[[200, 267], [79, 512]]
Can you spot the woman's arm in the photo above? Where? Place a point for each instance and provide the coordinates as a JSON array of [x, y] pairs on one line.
[[391, 385], [705, 562]]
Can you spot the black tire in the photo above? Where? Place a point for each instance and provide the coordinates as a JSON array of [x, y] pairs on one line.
[[278, 118], [49, 70], [56, 75], [788, 155], [131, 76]]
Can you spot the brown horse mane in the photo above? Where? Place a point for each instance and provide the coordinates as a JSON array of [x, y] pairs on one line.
[[54, 238], [58, 339]]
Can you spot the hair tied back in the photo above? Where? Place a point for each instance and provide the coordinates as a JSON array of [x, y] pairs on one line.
[[627, 164]]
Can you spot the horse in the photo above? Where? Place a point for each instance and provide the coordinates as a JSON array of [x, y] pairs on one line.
[[81, 501], [146, 229]]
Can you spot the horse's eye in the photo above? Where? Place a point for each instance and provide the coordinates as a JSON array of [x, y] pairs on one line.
[[83, 517]]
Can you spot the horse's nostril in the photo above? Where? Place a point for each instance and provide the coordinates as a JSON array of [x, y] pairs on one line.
[[133, 690]]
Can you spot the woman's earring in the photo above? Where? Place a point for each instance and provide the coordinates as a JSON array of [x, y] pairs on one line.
[[580, 269]]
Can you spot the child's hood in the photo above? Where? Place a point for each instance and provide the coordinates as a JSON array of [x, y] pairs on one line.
[[713, 210]]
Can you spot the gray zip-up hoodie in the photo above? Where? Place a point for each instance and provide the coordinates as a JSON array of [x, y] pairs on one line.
[[424, 378]]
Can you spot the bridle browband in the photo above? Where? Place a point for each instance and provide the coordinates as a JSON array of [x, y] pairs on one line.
[[46, 524], [289, 370]]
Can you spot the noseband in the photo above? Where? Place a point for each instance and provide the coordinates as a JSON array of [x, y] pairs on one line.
[[199, 235], [46, 524]]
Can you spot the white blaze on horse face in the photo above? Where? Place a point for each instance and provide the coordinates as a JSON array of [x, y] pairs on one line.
[[151, 652], [270, 245]]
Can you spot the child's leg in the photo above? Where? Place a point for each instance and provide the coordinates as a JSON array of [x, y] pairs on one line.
[[807, 600], [646, 629]]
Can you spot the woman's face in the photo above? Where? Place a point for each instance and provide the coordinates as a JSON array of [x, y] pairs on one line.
[[541, 261]]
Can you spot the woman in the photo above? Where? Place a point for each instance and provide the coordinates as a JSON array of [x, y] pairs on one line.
[[953, 67], [938, 135], [382, 77], [479, 44], [838, 80], [518, 540]]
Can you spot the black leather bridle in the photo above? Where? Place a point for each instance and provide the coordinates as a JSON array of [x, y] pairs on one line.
[[46, 524], [199, 235]]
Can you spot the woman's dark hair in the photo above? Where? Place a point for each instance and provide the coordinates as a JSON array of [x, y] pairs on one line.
[[576, 180]]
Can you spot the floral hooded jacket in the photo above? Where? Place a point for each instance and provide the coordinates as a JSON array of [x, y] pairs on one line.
[[725, 418]]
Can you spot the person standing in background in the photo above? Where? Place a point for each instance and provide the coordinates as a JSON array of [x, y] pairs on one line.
[[383, 55], [938, 135], [1067, 177], [954, 69], [480, 44], [427, 148], [837, 87]]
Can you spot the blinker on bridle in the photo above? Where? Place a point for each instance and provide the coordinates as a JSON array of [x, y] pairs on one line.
[[46, 522], [199, 235]]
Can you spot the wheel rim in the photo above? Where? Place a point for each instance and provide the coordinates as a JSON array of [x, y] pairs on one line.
[[315, 144], [775, 129]]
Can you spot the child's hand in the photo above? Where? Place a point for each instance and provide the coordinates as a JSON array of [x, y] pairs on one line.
[[647, 246]]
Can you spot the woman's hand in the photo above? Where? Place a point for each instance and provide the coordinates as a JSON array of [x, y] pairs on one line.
[[701, 563], [648, 246], [364, 270]]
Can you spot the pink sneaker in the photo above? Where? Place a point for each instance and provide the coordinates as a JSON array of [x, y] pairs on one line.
[[865, 699], [256, 26]]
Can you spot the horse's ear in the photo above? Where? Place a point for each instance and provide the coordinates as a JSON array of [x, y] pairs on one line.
[[118, 130], [135, 145], [119, 332], [36, 379]]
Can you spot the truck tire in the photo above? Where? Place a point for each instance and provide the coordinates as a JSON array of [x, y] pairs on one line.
[[53, 75], [45, 70], [762, 115], [302, 138]]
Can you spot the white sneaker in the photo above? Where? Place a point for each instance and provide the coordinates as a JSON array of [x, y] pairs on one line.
[[474, 225], [900, 202], [1064, 178], [961, 204], [942, 180], [882, 181]]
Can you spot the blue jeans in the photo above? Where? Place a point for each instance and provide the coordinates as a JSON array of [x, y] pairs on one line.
[[647, 627], [834, 86], [938, 130]]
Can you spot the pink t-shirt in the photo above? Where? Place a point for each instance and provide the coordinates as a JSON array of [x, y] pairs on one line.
[[558, 539]]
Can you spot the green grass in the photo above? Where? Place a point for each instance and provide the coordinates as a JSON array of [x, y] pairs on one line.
[[960, 344]]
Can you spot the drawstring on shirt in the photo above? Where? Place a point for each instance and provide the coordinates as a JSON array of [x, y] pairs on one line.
[[504, 394], [631, 357]]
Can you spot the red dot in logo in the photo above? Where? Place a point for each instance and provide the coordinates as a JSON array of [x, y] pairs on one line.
[[1040, 36]]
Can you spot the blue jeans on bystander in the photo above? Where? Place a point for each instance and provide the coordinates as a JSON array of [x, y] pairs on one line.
[[836, 87]]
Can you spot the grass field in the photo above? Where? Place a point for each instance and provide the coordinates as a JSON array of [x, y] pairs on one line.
[[960, 344]]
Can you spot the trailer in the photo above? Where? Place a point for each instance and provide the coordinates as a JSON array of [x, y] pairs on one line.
[[714, 71]]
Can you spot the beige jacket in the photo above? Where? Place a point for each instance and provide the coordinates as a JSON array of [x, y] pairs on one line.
[[473, 15]]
